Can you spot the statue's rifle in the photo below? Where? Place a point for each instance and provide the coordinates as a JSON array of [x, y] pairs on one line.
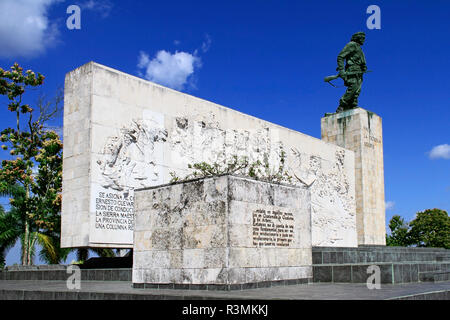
[[350, 73]]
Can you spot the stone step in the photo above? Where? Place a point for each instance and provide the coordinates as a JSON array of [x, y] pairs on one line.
[[378, 254], [434, 276], [389, 272], [36, 267], [116, 274]]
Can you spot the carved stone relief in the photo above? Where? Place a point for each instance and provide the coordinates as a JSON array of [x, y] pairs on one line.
[[129, 162]]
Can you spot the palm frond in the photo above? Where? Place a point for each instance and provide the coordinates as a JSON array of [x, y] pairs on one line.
[[104, 252], [60, 253], [9, 229], [46, 242], [15, 190]]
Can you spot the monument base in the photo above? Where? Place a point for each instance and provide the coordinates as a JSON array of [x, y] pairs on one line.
[[396, 264], [360, 130], [224, 232]]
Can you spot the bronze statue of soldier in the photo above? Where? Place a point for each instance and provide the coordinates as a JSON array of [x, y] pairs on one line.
[[351, 65]]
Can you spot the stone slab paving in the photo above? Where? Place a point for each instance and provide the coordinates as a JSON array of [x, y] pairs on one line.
[[49, 290]]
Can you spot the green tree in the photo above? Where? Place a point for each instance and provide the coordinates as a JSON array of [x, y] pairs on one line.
[[399, 232], [36, 210], [12, 226], [34, 217], [47, 195], [10, 221], [431, 228], [3, 243]]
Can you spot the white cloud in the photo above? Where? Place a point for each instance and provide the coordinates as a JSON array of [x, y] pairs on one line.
[[207, 43], [144, 60], [440, 151], [389, 205], [171, 70], [101, 6], [25, 29]]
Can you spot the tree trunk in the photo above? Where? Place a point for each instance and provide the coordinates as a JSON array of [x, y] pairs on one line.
[[26, 246], [82, 254]]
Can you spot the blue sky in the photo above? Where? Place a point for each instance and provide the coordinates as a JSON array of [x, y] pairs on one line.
[[267, 59]]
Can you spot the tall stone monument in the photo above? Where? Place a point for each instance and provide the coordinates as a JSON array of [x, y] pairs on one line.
[[360, 130], [123, 133]]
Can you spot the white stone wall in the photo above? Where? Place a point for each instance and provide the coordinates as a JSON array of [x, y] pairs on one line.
[[137, 132], [222, 230], [75, 223]]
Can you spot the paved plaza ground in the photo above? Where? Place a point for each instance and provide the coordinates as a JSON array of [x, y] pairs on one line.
[[122, 290]]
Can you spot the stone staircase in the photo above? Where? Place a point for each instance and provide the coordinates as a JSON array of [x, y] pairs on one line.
[[397, 264], [60, 272], [330, 265]]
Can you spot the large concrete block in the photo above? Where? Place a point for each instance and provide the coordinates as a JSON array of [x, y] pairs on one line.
[[244, 240]]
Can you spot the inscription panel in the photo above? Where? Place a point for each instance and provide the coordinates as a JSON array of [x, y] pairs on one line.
[[113, 211], [112, 216], [273, 228], [370, 141]]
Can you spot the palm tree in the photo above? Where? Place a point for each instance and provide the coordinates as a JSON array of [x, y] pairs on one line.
[[56, 254], [13, 227], [9, 233]]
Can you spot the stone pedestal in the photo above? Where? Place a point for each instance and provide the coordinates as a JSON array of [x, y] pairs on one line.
[[361, 131], [224, 232]]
